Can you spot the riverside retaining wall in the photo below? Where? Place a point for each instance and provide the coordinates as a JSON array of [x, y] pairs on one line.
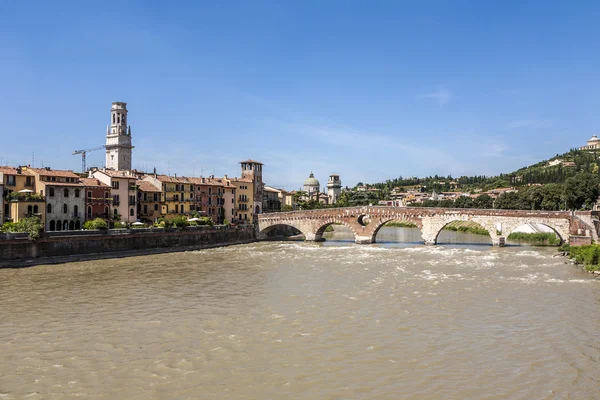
[[54, 244]]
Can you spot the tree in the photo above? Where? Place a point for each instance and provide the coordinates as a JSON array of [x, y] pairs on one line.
[[483, 201], [463, 202], [581, 191]]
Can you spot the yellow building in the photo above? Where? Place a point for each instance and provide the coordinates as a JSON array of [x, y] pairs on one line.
[[249, 191], [16, 182], [177, 195], [244, 198], [27, 205]]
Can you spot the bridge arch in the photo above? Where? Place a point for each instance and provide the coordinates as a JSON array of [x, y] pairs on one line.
[[491, 233], [267, 232], [560, 233], [381, 221], [332, 221]]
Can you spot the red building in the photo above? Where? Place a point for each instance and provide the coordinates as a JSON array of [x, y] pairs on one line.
[[209, 198], [98, 200]]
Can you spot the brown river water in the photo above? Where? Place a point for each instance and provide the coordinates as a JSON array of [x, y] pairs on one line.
[[294, 320]]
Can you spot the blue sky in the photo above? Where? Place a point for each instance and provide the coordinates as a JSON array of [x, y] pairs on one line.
[[368, 90]]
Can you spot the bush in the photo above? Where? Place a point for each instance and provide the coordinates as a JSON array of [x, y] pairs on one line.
[[180, 221], [589, 256], [97, 223], [120, 225], [31, 225], [539, 238]]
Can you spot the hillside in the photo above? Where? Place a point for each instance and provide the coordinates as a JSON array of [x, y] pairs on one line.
[[554, 170]]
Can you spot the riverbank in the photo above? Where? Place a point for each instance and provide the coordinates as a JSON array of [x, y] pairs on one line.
[[588, 257], [21, 252]]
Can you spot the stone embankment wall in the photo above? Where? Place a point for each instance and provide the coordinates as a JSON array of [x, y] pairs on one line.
[[17, 247]]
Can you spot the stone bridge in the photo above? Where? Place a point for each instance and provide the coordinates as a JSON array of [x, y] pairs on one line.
[[366, 221]]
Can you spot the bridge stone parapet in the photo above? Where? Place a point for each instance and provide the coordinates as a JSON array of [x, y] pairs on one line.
[[365, 221]]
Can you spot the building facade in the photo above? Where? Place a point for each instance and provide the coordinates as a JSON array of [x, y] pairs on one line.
[[592, 144], [15, 180], [252, 170], [334, 188], [272, 199], [149, 201], [98, 199], [229, 204], [123, 192], [118, 139], [209, 198], [64, 198]]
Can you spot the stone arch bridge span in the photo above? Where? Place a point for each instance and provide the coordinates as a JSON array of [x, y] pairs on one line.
[[365, 221]]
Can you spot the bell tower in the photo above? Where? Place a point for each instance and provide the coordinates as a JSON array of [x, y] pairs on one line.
[[118, 139]]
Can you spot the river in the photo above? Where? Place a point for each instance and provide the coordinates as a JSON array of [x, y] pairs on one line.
[[294, 320]]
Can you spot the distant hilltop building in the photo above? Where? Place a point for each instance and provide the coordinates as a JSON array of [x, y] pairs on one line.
[[312, 188], [592, 144], [118, 139], [334, 188]]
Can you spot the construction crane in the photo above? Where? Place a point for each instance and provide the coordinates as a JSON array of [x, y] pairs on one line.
[[83, 153]]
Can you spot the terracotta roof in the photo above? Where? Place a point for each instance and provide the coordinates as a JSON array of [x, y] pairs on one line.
[[116, 174], [8, 170], [241, 180], [52, 172], [61, 184], [146, 186], [251, 161], [173, 179], [93, 182]]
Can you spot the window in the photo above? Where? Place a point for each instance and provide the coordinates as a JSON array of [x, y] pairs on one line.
[[11, 181], [75, 211], [155, 196], [77, 193], [232, 211], [65, 209], [145, 209], [49, 208], [89, 195], [115, 212], [115, 185], [51, 192], [209, 191], [176, 208], [36, 209], [89, 212], [156, 207], [106, 212], [30, 209], [131, 212], [66, 192]]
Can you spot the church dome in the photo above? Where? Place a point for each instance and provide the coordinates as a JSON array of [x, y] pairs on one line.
[[594, 139], [312, 181]]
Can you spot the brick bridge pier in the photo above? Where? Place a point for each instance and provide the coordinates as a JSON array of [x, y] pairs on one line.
[[365, 222]]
